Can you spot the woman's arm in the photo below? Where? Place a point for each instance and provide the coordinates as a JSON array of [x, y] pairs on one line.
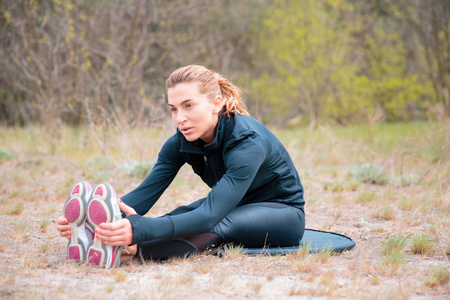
[[242, 163], [166, 168], [139, 201]]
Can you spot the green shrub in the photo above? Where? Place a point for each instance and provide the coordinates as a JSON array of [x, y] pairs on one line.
[[370, 173], [405, 180], [366, 197], [440, 276], [5, 155], [423, 244], [394, 260], [394, 244], [99, 168], [137, 169], [14, 210], [99, 162], [342, 186]]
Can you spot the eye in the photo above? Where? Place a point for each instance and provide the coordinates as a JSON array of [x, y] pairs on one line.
[[173, 109], [189, 105]]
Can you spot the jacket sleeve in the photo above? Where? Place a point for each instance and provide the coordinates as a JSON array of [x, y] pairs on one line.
[[242, 162], [167, 166]]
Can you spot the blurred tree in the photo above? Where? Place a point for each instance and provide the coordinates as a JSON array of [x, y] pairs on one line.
[[343, 61], [104, 63], [431, 19], [304, 47], [384, 79]]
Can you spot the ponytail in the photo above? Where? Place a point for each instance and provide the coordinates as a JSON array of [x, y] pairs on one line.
[[232, 97], [212, 85]]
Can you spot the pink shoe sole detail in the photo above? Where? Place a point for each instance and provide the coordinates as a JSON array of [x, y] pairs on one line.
[[94, 257], [74, 252], [97, 212], [99, 191], [72, 211], [76, 190]]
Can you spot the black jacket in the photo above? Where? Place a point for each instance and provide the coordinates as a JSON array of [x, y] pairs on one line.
[[244, 164]]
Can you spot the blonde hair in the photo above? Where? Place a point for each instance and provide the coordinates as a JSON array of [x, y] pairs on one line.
[[212, 85]]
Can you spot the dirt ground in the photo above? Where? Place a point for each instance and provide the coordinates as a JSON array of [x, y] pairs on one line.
[[34, 266]]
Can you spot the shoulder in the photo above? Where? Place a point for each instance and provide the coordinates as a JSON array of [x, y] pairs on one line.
[[174, 140], [171, 147], [249, 136], [247, 125]]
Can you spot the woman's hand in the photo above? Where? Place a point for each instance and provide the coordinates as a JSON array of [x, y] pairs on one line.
[[119, 233], [63, 227]]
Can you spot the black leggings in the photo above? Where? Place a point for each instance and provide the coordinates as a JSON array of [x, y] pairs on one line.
[[256, 225]]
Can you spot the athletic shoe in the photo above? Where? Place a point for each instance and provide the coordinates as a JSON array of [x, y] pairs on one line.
[[103, 208], [75, 213]]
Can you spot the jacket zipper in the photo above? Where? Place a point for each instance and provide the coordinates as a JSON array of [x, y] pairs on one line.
[[210, 169]]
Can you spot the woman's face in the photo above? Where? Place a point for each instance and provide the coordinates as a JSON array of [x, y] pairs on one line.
[[194, 114]]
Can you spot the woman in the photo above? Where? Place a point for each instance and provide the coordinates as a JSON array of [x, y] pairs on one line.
[[256, 197]]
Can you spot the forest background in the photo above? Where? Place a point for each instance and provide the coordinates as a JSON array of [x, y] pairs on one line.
[[356, 90], [104, 63]]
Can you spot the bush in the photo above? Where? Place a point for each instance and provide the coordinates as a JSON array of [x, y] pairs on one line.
[[137, 169], [370, 173], [440, 276], [99, 168], [394, 244], [422, 244], [5, 155], [99, 162]]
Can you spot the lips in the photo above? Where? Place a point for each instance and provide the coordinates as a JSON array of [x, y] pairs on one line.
[[186, 130]]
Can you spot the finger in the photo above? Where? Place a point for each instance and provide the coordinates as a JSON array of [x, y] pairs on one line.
[[126, 209], [62, 227], [117, 237], [108, 234], [117, 233], [116, 225], [110, 226], [111, 239], [118, 243], [65, 233], [62, 221], [117, 240]]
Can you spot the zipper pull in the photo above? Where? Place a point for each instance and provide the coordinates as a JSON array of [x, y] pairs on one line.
[[206, 160]]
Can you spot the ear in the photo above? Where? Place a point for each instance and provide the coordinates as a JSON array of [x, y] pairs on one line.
[[217, 103]]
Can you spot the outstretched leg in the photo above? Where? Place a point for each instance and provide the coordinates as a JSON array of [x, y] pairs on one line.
[[253, 225], [162, 249], [264, 224]]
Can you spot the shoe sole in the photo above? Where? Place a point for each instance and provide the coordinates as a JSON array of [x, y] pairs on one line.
[[74, 212], [100, 210]]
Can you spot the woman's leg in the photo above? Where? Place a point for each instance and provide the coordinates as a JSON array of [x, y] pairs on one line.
[[128, 254], [265, 224], [162, 249], [252, 225]]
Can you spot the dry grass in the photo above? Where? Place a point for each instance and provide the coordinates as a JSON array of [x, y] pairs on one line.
[[423, 244], [14, 210], [439, 276], [398, 215]]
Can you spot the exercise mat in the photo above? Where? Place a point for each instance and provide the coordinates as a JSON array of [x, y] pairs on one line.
[[316, 240]]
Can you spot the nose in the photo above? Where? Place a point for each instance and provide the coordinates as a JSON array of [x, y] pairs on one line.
[[180, 117]]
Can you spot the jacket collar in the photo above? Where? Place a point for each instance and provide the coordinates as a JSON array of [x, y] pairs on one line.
[[222, 132]]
